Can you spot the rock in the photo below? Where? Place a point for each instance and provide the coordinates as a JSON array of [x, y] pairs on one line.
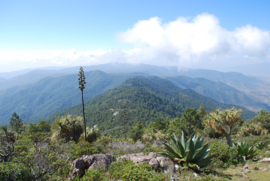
[[196, 175], [244, 175], [264, 160], [165, 163], [246, 171], [245, 167], [153, 155], [91, 162], [264, 170], [156, 161]]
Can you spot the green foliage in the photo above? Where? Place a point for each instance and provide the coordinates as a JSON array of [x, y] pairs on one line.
[[245, 150], [37, 101], [95, 175], [92, 134], [252, 129], [190, 122], [223, 121], [137, 132], [263, 118], [16, 122], [145, 99], [83, 148], [67, 127], [189, 152], [41, 127], [224, 156], [126, 170], [260, 145]]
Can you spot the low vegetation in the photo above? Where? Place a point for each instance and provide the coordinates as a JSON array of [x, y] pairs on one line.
[[197, 142]]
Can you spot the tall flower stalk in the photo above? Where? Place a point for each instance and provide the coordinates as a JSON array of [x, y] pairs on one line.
[[81, 86]]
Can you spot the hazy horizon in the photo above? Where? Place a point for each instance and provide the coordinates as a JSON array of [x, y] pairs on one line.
[[191, 34]]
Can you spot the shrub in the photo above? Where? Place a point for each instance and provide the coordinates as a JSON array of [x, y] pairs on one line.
[[95, 175], [126, 170], [83, 148], [224, 155]]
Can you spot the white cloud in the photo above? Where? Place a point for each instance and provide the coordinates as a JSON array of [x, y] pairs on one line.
[[202, 37], [180, 42]]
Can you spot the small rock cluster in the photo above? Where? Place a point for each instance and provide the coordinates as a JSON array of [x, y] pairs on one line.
[[156, 161], [88, 162]]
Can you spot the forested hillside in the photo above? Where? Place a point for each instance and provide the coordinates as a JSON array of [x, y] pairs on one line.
[[36, 101], [219, 91], [145, 99]]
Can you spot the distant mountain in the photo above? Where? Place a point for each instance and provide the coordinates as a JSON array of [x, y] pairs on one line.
[[218, 91], [2, 79], [11, 74], [145, 99], [37, 101], [257, 69], [256, 88], [28, 78]]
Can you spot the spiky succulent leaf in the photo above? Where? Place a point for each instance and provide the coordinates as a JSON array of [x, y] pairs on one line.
[[200, 152], [191, 152]]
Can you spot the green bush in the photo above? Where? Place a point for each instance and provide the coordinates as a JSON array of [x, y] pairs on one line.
[[126, 170], [224, 155], [83, 148], [95, 175], [20, 149]]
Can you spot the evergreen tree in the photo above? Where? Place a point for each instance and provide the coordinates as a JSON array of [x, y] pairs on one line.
[[16, 122]]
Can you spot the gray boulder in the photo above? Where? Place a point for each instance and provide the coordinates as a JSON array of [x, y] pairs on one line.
[[91, 162]]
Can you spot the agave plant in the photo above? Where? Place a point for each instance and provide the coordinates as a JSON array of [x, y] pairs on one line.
[[189, 152], [260, 145], [245, 150]]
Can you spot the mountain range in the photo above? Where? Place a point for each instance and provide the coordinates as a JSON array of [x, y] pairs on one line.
[[145, 99], [38, 93]]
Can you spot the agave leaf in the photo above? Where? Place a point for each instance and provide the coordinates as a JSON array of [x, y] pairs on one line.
[[172, 150], [205, 155], [205, 162], [181, 148], [199, 143], [183, 140], [191, 151], [200, 152]]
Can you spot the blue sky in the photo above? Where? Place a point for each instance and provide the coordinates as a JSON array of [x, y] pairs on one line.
[[28, 26]]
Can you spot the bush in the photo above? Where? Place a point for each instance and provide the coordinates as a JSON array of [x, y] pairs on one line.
[[126, 170], [83, 148], [95, 175], [224, 155]]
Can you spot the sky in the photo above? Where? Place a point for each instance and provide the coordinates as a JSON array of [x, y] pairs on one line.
[[197, 34]]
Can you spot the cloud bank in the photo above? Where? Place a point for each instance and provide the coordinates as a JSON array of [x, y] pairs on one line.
[[180, 42]]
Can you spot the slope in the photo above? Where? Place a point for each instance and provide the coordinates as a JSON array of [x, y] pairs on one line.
[[255, 88], [145, 99], [218, 91], [37, 101]]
